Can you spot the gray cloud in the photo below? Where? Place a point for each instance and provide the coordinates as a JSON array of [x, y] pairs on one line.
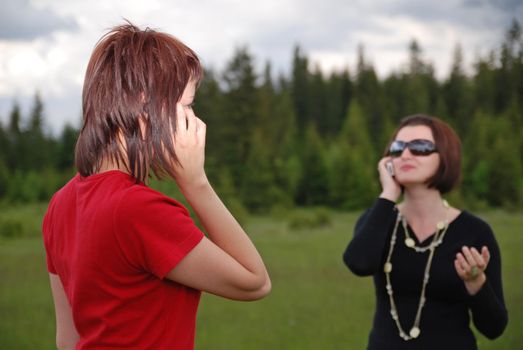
[[328, 31], [21, 20], [468, 14], [507, 5]]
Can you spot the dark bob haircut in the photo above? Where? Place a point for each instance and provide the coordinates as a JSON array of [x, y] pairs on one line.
[[132, 84], [449, 148]]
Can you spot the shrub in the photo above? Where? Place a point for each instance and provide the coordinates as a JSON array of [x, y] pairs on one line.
[[11, 228], [316, 218]]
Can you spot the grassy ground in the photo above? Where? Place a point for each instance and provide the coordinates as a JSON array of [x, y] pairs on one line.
[[316, 303]]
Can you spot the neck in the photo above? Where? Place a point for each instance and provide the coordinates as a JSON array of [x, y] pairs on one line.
[[422, 202], [108, 164]]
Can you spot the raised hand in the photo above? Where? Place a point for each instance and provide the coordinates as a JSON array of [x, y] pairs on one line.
[[390, 188], [189, 146], [470, 266]]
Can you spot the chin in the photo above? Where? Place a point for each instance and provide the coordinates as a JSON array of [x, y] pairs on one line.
[[408, 181]]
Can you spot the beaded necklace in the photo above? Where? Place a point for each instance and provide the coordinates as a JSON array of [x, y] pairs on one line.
[[441, 229]]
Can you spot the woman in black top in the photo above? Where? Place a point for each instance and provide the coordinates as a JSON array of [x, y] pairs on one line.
[[433, 265]]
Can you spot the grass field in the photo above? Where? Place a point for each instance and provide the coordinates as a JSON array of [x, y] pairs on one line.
[[316, 303]]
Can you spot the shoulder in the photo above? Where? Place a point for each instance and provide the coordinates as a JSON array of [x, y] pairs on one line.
[[66, 190], [473, 220], [382, 209], [139, 200], [61, 198], [476, 225]]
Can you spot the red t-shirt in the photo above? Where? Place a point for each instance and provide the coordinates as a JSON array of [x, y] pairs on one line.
[[112, 242]]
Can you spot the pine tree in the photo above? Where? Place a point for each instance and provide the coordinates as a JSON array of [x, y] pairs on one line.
[[418, 77], [259, 190], [476, 145], [241, 113], [15, 151], [39, 153], [339, 95], [319, 101], [4, 171], [369, 95], [4, 145], [209, 106], [510, 59], [484, 84], [457, 95], [313, 185], [267, 113], [352, 163], [284, 143], [65, 148], [505, 168], [300, 88]]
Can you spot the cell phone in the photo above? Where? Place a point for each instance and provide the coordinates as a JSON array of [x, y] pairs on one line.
[[390, 168]]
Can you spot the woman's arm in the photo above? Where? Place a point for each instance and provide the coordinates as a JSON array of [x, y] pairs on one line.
[[227, 263], [488, 305], [364, 253], [66, 334], [480, 271]]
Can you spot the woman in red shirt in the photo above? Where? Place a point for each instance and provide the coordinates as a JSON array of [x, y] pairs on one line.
[[127, 263]]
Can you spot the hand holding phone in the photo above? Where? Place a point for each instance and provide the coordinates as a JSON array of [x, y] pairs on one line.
[[391, 189], [390, 168]]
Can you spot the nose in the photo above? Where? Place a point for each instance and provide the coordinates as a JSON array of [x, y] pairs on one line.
[[408, 155]]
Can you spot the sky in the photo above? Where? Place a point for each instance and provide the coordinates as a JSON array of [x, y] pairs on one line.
[[45, 44]]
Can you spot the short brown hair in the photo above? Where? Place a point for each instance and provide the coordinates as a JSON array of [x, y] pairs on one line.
[[133, 77], [449, 148]]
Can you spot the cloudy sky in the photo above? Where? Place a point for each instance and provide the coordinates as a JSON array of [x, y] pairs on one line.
[[45, 44]]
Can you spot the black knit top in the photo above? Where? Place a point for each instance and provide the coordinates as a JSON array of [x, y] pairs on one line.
[[445, 318]]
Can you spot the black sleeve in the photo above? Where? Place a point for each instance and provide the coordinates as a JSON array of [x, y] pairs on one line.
[[488, 305], [364, 253]]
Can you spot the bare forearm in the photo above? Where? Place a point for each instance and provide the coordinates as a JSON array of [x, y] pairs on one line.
[[222, 228]]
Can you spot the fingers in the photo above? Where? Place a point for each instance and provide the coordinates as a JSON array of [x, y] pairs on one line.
[[460, 270], [191, 121], [391, 188], [469, 263], [201, 130], [465, 266], [382, 162], [200, 125], [187, 123], [181, 119], [478, 258], [196, 126], [468, 255]]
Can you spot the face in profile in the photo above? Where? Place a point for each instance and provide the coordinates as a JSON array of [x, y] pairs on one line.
[[187, 97], [415, 158]]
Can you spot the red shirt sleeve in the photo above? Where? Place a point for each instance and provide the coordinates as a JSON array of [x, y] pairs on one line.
[[154, 231]]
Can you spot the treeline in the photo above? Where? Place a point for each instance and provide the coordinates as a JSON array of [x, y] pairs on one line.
[[311, 139]]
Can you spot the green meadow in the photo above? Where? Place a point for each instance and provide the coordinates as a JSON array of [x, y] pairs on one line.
[[316, 303]]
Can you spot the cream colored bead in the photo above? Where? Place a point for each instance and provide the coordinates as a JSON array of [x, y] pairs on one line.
[[442, 228], [387, 267], [414, 332]]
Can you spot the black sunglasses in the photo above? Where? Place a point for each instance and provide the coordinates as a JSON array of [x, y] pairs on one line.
[[416, 147]]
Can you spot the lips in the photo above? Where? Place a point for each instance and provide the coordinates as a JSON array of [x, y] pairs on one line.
[[406, 167]]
